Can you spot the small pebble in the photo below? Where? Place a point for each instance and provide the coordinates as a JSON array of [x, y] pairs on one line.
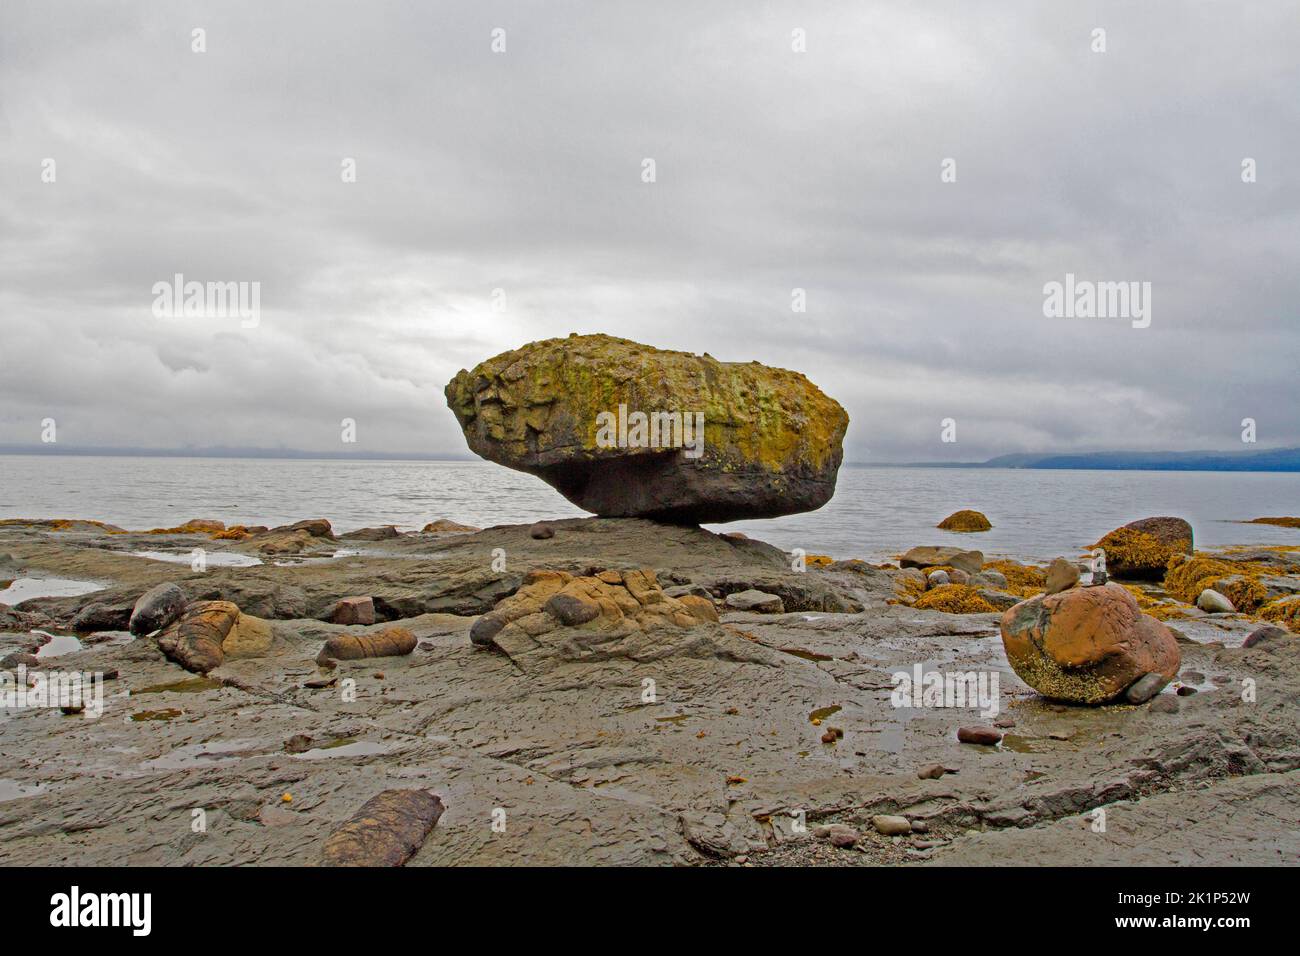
[[891, 825], [932, 771], [978, 735]]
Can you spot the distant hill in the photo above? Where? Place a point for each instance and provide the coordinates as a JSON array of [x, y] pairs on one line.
[[1269, 459]]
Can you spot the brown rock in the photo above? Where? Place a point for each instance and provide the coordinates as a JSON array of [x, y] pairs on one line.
[[541, 531], [387, 831], [354, 610], [932, 771], [926, 556], [1086, 645], [249, 637], [1267, 636], [195, 640], [979, 735], [1142, 549], [1062, 574], [390, 642], [443, 526]]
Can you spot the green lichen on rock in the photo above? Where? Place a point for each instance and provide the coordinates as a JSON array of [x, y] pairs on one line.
[[772, 441]]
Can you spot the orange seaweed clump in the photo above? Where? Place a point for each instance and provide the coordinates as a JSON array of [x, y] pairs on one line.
[[193, 526], [954, 599], [1023, 580], [1284, 611], [1237, 581], [965, 520], [1280, 522], [1160, 610]]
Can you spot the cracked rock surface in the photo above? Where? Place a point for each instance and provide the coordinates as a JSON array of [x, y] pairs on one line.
[[675, 742]]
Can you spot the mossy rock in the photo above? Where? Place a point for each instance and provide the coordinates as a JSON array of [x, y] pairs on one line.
[[965, 520], [772, 441], [1143, 550]]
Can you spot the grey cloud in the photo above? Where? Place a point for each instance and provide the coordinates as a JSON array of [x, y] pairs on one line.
[[775, 170]]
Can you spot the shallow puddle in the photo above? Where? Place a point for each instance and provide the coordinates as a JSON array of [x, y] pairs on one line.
[[167, 713], [213, 753], [357, 748], [35, 586], [821, 713], [58, 644], [213, 559]]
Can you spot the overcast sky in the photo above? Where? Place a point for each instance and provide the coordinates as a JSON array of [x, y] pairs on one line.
[[775, 169]]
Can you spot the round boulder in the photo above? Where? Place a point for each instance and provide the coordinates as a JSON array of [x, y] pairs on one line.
[[1143, 549], [965, 520], [1086, 645]]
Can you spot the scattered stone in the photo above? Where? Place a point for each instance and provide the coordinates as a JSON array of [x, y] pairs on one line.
[[1006, 723], [387, 831], [390, 642], [101, 617], [891, 825], [383, 533], [1143, 549], [979, 735], [1186, 690], [829, 737], [444, 526], [1212, 602], [558, 409], [965, 520], [354, 610], [1145, 687], [936, 579], [839, 835], [998, 600], [12, 661], [757, 602], [156, 609], [1062, 574], [318, 683], [1268, 637], [1164, 704], [1086, 645], [926, 556], [541, 531], [298, 743], [989, 578]]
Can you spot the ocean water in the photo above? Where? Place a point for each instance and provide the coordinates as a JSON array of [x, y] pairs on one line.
[[875, 514]]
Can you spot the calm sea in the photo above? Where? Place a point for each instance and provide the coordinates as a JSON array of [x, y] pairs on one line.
[[876, 512]]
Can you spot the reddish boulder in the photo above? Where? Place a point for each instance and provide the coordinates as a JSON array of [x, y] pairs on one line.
[[1086, 645]]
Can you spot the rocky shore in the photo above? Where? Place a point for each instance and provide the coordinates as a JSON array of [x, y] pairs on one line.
[[620, 691]]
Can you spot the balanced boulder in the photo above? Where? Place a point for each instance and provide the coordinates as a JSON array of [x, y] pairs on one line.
[[623, 429], [1143, 549], [1086, 644]]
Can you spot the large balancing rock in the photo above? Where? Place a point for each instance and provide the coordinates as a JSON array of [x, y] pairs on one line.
[[772, 441], [1086, 645]]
